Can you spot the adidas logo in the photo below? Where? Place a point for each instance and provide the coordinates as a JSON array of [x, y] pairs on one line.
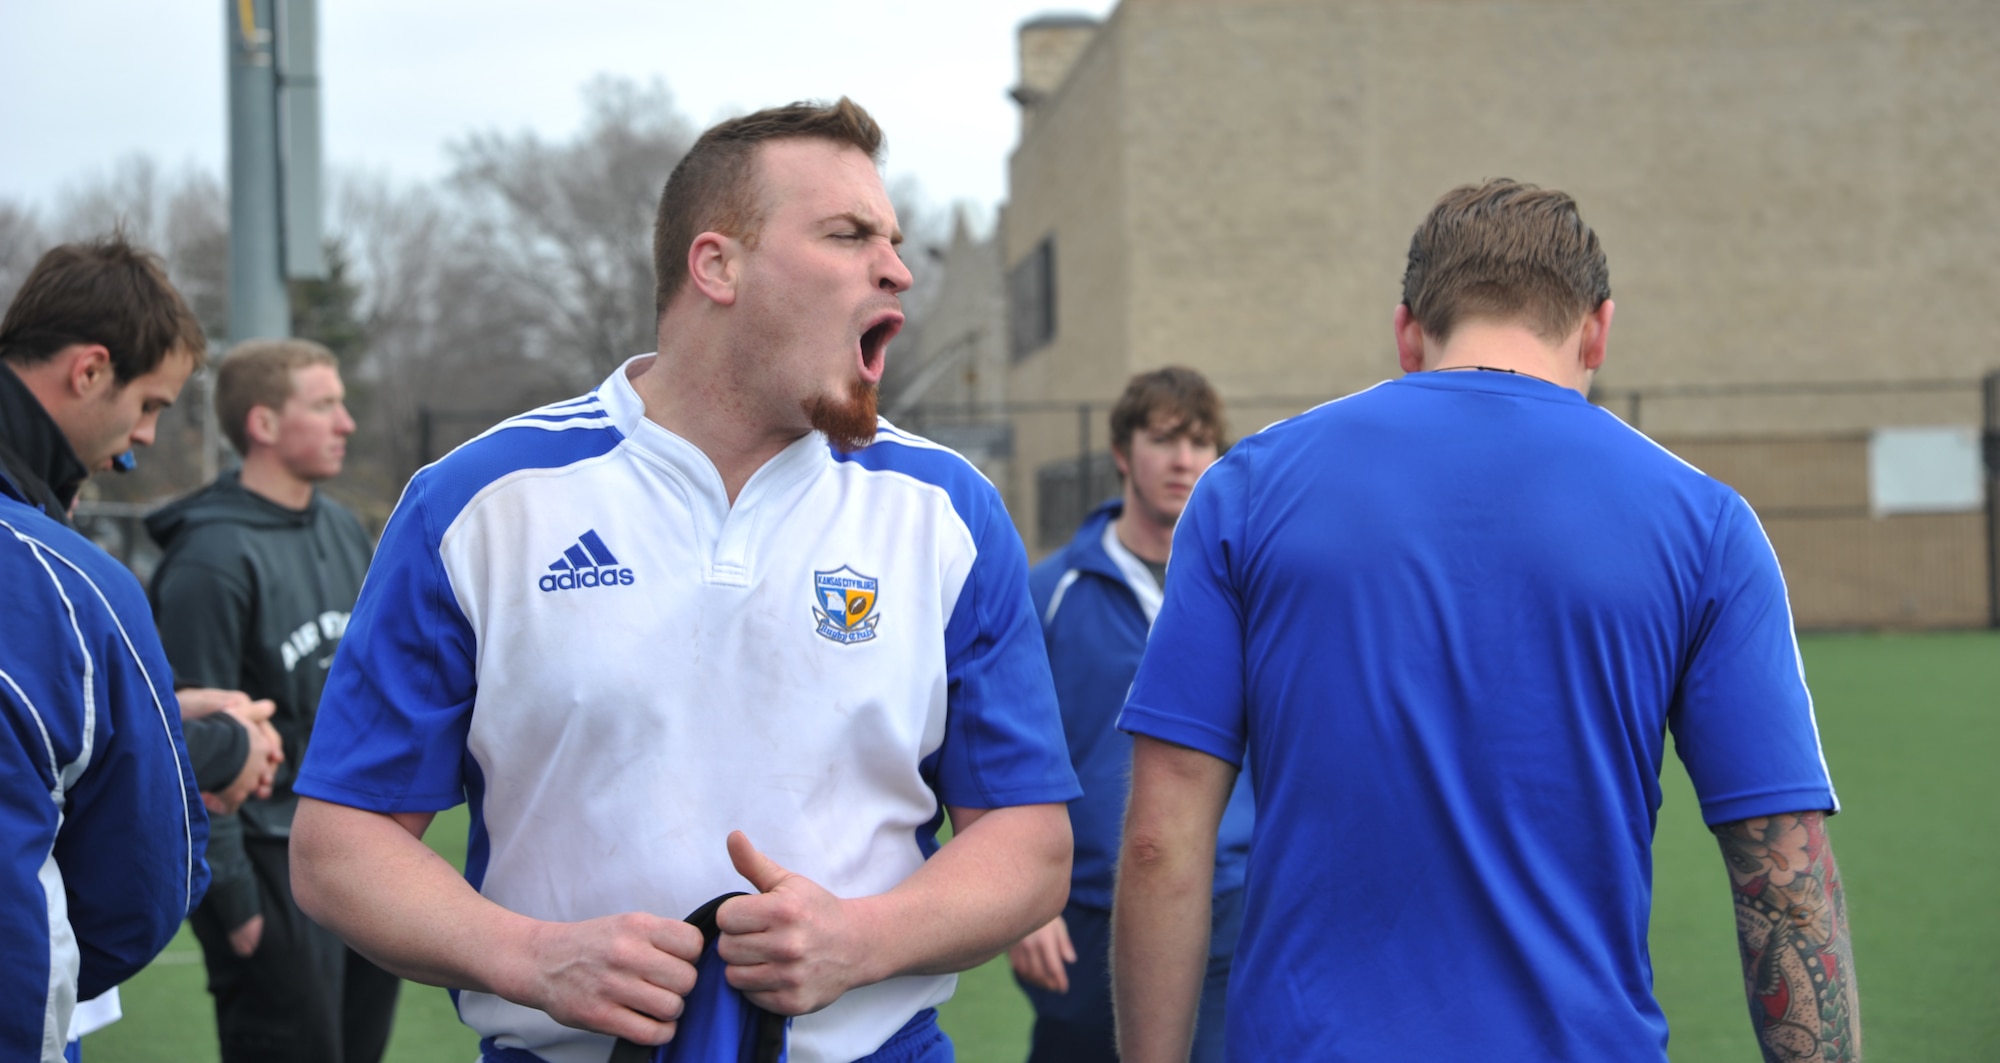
[[587, 563]]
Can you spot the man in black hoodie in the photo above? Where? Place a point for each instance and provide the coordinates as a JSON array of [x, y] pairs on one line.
[[259, 574]]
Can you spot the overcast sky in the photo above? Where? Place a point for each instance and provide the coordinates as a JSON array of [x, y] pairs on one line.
[[83, 84]]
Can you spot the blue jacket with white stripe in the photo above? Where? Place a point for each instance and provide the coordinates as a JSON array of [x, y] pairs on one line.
[[1096, 632], [102, 827]]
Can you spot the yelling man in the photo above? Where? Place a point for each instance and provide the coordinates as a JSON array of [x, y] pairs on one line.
[[785, 642]]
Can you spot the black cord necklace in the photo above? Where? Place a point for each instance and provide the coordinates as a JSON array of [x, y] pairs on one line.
[[1493, 369]]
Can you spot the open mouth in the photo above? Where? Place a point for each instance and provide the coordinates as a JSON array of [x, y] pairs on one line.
[[875, 342]]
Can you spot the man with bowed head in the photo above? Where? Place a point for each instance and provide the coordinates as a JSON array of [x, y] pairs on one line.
[[98, 343], [824, 647], [1451, 620]]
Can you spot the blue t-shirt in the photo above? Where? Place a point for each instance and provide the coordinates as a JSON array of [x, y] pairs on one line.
[[1452, 619]]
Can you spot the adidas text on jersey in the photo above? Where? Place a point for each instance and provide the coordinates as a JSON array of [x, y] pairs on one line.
[[586, 563]]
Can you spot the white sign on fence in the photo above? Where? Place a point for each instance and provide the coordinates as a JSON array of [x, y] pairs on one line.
[[1925, 470]]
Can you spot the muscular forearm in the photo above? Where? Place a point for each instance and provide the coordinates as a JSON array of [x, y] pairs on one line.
[[1159, 942], [370, 878], [1791, 920], [1004, 873], [1160, 913]]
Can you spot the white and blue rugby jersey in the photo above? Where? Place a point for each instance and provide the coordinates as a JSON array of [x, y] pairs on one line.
[[1452, 621], [569, 626]]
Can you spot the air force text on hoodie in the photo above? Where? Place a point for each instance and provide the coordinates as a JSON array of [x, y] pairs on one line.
[[254, 596]]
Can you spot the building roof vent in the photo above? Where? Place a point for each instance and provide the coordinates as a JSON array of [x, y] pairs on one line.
[[1049, 46]]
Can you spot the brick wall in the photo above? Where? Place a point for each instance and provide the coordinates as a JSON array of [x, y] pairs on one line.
[[1788, 190]]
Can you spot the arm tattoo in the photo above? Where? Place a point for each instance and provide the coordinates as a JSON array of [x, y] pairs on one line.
[[1791, 927]]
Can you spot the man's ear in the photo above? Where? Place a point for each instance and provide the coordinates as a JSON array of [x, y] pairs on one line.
[[712, 266], [1123, 461], [1409, 340], [260, 426], [87, 370], [1596, 334]]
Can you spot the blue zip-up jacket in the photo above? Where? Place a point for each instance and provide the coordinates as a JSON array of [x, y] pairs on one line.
[[102, 827], [1096, 631]]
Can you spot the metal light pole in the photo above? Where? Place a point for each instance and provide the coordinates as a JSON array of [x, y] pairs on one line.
[[274, 165], [274, 161], [258, 305]]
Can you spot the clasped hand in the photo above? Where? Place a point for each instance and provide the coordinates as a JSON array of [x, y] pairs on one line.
[[789, 949], [260, 765]]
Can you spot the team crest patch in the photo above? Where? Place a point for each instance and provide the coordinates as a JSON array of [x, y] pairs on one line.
[[846, 605]]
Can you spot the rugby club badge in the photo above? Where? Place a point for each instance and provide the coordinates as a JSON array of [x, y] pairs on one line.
[[846, 609]]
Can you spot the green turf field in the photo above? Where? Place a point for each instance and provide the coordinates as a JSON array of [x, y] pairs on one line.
[[1906, 721]]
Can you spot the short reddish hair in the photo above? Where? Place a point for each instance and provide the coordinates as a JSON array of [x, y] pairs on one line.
[[714, 188], [259, 373]]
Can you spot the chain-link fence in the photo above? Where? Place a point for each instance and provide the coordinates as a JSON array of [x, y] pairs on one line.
[[1990, 458], [1876, 495], [1882, 499]]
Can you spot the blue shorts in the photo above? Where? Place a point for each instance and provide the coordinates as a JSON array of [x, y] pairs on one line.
[[919, 1041]]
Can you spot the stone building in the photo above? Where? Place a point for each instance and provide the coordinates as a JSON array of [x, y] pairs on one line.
[[1796, 197]]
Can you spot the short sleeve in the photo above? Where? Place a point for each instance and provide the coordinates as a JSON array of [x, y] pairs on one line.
[[392, 724], [1190, 687], [1003, 740], [1742, 718]]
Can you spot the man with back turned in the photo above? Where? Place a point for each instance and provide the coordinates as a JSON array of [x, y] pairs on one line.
[[1452, 620]]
